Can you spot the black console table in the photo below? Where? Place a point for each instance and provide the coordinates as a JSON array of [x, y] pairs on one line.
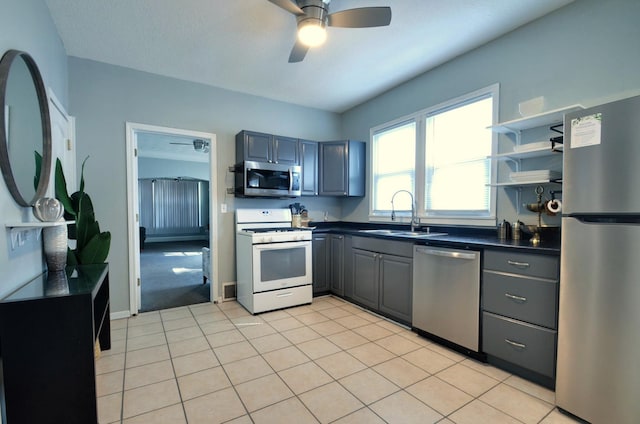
[[48, 329]]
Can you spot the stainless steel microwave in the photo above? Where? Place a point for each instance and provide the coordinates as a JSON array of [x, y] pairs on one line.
[[262, 179]]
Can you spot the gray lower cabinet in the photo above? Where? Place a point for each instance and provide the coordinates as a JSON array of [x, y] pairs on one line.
[[336, 264], [383, 276], [347, 258], [328, 264], [365, 277], [396, 286], [320, 262], [520, 312]]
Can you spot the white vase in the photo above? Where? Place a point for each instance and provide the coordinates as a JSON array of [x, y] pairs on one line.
[[55, 247], [57, 283]]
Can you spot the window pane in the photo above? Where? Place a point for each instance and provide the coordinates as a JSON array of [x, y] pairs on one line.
[[460, 187], [395, 149], [394, 153], [386, 186], [456, 150]]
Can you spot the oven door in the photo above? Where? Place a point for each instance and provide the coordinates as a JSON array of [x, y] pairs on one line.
[[281, 265]]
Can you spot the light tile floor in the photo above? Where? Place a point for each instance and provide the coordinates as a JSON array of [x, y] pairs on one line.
[[325, 362]]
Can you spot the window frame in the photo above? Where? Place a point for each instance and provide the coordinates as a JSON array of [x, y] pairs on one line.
[[420, 166]]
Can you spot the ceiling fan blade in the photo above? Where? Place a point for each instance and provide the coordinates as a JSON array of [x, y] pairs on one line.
[[363, 17], [298, 52], [288, 5], [184, 144]]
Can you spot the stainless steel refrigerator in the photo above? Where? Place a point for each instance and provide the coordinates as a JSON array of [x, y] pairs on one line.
[[598, 369]]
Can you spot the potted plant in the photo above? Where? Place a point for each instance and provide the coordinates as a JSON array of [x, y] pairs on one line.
[[92, 245]]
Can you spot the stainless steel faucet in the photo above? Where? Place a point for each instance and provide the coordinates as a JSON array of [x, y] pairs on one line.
[[414, 218]]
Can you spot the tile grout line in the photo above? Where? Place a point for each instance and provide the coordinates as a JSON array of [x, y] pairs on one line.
[[321, 336]]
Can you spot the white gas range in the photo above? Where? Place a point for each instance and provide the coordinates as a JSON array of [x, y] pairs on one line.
[[273, 260]]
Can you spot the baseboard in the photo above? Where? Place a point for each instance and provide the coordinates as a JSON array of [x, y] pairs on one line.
[[119, 315]]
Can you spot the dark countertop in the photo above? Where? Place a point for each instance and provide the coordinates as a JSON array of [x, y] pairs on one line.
[[456, 236]]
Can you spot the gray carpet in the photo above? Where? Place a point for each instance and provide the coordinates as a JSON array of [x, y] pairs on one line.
[[171, 275]]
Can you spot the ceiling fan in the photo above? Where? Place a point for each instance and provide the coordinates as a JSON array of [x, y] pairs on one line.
[[199, 145], [313, 17]]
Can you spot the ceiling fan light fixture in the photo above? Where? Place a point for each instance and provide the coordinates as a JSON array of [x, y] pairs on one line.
[[312, 32]]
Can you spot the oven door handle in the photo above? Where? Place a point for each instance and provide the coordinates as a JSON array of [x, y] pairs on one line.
[[282, 245]]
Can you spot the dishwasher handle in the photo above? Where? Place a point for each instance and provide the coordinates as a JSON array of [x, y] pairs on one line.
[[454, 254]]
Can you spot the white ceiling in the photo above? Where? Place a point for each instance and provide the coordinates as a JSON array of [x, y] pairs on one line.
[[169, 146], [244, 45]]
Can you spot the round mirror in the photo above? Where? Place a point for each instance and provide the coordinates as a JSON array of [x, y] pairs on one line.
[[25, 129]]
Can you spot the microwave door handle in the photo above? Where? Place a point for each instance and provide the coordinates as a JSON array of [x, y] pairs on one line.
[[290, 180]]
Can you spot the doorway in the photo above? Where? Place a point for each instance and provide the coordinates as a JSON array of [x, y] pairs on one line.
[[171, 184]]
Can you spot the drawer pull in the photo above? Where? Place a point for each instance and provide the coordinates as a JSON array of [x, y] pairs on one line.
[[286, 294], [516, 344], [514, 297], [519, 264]]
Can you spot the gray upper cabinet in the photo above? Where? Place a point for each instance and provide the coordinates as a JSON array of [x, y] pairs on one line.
[[260, 147], [285, 150], [342, 168], [309, 162]]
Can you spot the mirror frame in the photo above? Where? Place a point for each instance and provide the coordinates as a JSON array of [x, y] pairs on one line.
[[45, 169]]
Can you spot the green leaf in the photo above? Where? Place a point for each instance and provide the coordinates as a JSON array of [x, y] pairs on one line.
[[61, 190], [81, 190], [36, 179], [97, 249], [86, 225], [71, 257]]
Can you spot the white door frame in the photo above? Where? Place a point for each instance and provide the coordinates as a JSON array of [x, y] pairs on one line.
[[132, 129]]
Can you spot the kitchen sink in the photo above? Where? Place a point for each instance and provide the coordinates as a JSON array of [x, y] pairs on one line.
[[402, 233]]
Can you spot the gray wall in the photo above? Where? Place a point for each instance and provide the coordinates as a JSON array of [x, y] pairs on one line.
[[104, 97], [27, 26], [584, 53]]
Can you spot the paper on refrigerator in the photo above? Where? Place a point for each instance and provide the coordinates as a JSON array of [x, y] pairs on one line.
[[586, 131]]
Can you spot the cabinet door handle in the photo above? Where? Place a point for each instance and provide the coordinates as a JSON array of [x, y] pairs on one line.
[[516, 344], [519, 264], [514, 297]]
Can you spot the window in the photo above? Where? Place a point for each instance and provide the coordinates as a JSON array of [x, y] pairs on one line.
[[394, 158], [442, 156]]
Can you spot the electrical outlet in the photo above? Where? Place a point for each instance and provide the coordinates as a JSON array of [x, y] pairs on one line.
[[223, 208]]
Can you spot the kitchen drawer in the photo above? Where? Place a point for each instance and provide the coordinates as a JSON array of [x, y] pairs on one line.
[[528, 299], [382, 245], [526, 345], [277, 299], [542, 266]]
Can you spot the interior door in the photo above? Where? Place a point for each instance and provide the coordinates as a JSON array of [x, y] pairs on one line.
[[62, 145]]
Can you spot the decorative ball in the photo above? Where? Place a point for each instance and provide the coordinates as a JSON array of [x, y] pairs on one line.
[[48, 209]]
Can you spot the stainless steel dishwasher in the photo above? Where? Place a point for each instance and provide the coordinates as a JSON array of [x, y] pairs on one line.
[[446, 294]]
